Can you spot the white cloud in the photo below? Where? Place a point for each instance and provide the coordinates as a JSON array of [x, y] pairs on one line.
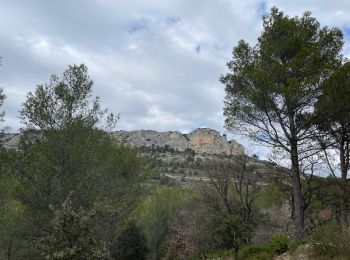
[[155, 62]]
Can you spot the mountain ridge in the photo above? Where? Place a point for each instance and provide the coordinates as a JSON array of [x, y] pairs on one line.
[[200, 140]]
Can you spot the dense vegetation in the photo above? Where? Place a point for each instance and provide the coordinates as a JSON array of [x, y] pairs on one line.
[[71, 191]]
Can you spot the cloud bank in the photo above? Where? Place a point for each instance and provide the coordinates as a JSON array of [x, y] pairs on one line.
[[157, 63]]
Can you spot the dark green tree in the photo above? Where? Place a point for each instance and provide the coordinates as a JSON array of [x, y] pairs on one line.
[[64, 152], [333, 119], [272, 87], [62, 102], [132, 243], [155, 214]]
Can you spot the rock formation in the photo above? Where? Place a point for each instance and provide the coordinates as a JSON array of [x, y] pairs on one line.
[[11, 141], [201, 140]]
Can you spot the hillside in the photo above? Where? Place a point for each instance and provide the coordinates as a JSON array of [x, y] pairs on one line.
[[180, 156]]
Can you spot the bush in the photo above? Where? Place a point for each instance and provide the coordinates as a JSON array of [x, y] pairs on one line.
[[132, 243], [220, 254], [279, 244], [293, 245], [329, 240], [255, 252], [263, 256]]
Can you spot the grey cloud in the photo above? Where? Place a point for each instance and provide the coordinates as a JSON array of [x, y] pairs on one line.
[[156, 62]]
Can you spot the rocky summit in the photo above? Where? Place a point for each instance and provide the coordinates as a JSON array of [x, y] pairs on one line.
[[201, 140]]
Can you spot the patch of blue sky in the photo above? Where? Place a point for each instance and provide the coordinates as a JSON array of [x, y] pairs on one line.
[[346, 31], [263, 137], [173, 20], [138, 25], [262, 8]]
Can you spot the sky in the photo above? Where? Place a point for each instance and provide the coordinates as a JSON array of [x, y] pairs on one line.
[[156, 62]]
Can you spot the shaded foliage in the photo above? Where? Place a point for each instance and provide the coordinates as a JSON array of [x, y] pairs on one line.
[[272, 87]]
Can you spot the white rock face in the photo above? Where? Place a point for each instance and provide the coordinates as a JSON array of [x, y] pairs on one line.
[[202, 140], [150, 138], [11, 141]]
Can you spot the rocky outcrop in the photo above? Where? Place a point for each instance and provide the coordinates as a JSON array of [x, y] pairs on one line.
[[201, 140], [11, 141]]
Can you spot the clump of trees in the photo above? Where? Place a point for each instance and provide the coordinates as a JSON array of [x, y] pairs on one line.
[[72, 180], [230, 196], [273, 89]]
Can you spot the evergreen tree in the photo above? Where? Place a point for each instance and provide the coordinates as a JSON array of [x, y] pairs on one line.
[[333, 119], [272, 88], [132, 243]]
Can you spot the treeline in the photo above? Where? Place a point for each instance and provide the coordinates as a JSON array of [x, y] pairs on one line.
[[69, 183], [291, 92], [71, 191]]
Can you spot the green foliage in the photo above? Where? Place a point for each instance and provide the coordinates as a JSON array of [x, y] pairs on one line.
[[334, 125], [293, 245], [63, 102], [67, 155], [72, 235], [279, 244], [220, 254], [330, 240], [256, 252], [12, 216], [335, 95], [155, 213], [229, 197], [132, 243], [272, 88], [272, 194], [273, 80], [12, 212]]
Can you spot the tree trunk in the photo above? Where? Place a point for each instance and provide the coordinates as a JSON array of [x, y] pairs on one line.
[[9, 250], [342, 186], [298, 201]]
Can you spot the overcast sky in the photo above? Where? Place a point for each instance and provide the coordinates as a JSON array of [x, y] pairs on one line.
[[156, 62]]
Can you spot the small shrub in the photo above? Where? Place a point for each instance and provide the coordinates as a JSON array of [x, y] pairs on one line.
[[132, 243], [262, 256], [220, 253], [330, 240], [279, 244], [255, 252], [293, 245]]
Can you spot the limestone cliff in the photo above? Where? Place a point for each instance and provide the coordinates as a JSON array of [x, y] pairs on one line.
[[201, 140]]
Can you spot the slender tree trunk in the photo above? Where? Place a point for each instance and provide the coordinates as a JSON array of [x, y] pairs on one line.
[[236, 252], [298, 201], [112, 234], [9, 250], [342, 186]]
